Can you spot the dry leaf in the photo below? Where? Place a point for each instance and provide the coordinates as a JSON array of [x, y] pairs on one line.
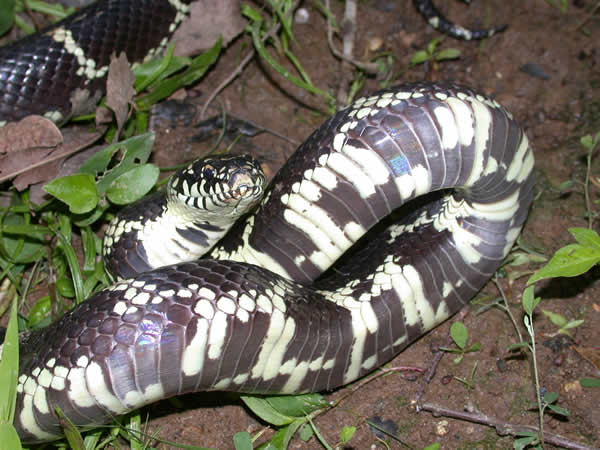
[[208, 20], [591, 354], [47, 165], [30, 132], [119, 88]]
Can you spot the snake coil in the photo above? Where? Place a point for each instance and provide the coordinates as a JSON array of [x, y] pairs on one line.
[[251, 319]]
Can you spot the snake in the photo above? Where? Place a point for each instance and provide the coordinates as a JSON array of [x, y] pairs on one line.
[[61, 72], [387, 220], [263, 312]]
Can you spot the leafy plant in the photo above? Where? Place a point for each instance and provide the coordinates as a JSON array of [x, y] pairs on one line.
[[562, 322], [9, 371], [289, 413], [573, 259], [549, 398], [460, 336], [590, 382], [258, 28], [469, 382], [432, 52]]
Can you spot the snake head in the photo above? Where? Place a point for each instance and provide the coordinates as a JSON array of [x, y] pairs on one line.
[[215, 183]]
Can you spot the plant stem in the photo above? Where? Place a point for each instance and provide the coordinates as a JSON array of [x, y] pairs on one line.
[[535, 374], [586, 187]]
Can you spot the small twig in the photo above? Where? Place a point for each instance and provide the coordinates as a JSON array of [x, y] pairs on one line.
[[507, 307], [502, 428], [272, 32], [370, 68], [226, 81], [437, 359]]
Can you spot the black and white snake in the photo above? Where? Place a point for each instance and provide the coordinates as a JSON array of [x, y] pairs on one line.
[[237, 322], [251, 317]]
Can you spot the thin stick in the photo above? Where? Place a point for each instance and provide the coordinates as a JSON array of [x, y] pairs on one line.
[[502, 428], [370, 68], [272, 32]]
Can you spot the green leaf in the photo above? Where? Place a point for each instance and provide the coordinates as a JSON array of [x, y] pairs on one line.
[[39, 311], [459, 334], [65, 287], [297, 405], [136, 151], [550, 397], [432, 45], [529, 301], [586, 237], [474, 348], [9, 439], [520, 258], [587, 141], [196, 70], [521, 443], [242, 441], [565, 185], [569, 261], [557, 319], [447, 54], [518, 345], [28, 245], [419, 57], [263, 409], [71, 432], [133, 185], [434, 446], [559, 410], [78, 191], [306, 432], [251, 13], [573, 324], [346, 434], [7, 15], [9, 369], [282, 438], [590, 382]]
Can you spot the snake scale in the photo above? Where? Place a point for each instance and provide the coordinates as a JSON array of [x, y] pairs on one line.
[[263, 314]]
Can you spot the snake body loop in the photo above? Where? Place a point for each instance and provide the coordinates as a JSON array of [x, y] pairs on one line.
[[252, 320]]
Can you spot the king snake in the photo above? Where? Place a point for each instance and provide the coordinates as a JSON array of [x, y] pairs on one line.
[[262, 313]]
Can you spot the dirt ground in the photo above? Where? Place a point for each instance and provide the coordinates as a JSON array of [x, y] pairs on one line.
[[545, 69]]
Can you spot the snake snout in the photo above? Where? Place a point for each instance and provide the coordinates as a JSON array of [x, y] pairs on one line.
[[241, 182]]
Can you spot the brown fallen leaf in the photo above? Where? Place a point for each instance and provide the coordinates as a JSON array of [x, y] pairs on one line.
[[119, 89], [35, 165], [208, 20], [591, 354], [30, 132]]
